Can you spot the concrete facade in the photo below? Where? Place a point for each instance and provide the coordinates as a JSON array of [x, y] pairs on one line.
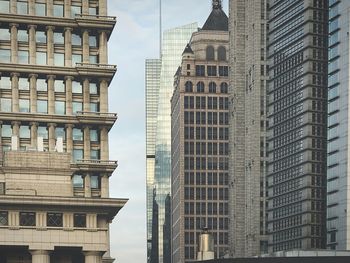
[[248, 76], [55, 167]]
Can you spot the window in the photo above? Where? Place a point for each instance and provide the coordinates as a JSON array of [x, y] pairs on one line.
[[60, 107], [6, 130], [5, 105], [224, 87], [40, 9], [23, 57], [210, 53], [4, 220], [58, 38], [23, 105], [22, 7], [76, 58], [212, 87], [92, 41], [5, 6], [41, 58], [27, 219], [60, 133], [222, 53], [75, 10], [76, 40], [92, 10], [77, 134], [79, 220], [94, 154], [93, 135], [95, 182], [4, 33], [223, 71], [200, 70], [24, 132], [188, 86], [43, 132], [22, 35], [59, 59], [94, 107], [58, 10], [5, 55], [23, 84], [211, 70], [40, 37], [54, 219], [76, 87], [42, 106], [78, 181], [77, 106], [200, 86], [5, 83], [93, 88], [93, 59], [78, 154]]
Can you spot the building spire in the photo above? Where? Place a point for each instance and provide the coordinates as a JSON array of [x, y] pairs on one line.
[[217, 4]]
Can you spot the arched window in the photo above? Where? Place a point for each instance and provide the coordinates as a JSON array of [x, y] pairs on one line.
[[188, 86], [224, 87], [212, 87], [200, 86], [210, 53], [222, 53]]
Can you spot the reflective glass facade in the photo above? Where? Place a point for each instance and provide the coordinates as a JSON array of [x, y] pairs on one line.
[[338, 220], [297, 133]]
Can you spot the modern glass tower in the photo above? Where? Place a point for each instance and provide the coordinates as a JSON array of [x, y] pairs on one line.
[[297, 132], [158, 182], [338, 177]]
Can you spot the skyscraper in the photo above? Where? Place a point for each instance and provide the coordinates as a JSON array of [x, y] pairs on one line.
[[297, 133], [55, 167], [338, 223], [199, 135], [248, 228], [158, 178]]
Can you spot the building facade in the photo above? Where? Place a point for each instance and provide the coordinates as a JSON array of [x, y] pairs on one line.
[[297, 132], [338, 223], [158, 180], [248, 203], [199, 135], [55, 167]]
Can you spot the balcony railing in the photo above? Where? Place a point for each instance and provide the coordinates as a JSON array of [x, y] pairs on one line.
[[95, 65], [98, 162], [111, 18], [97, 114]]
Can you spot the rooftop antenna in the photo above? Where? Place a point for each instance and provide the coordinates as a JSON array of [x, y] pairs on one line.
[[217, 4]]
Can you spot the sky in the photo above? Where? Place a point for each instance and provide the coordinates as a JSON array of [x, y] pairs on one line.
[[135, 38]]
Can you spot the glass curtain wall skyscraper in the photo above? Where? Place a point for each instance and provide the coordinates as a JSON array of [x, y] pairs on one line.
[[297, 133], [158, 183]]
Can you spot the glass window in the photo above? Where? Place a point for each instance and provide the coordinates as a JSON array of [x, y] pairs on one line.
[[200, 70], [188, 86], [40, 37], [75, 10], [3, 216], [224, 87], [5, 105], [23, 57], [5, 34], [22, 8], [78, 154], [54, 219], [27, 219], [42, 106], [221, 53], [94, 107], [40, 9], [5, 6], [79, 220], [23, 84], [210, 53], [60, 107], [92, 10], [77, 106], [212, 87], [24, 132], [95, 182], [58, 10], [5, 83], [58, 38], [5, 55], [76, 40], [211, 70], [59, 86], [92, 41], [223, 71], [76, 58], [76, 87], [77, 134], [43, 132], [94, 154], [6, 130], [59, 59], [22, 35], [200, 86], [41, 85], [93, 59], [60, 132], [78, 181], [24, 105], [93, 135], [93, 88], [41, 58]]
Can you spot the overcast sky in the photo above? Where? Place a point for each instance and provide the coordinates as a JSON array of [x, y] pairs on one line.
[[135, 38]]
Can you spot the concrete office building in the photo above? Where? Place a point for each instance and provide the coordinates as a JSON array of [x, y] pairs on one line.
[[199, 132], [297, 115], [55, 167], [158, 136], [338, 218], [248, 228]]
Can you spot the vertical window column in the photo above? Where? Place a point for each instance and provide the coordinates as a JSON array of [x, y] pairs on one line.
[[33, 94], [14, 88], [34, 134], [105, 186], [13, 6], [86, 95], [31, 7], [69, 139], [69, 107], [51, 94], [92, 256], [50, 45], [15, 128], [86, 46], [87, 144], [14, 43], [40, 256], [67, 8], [103, 55], [13, 219], [68, 46], [103, 96], [49, 7], [85, 7], [87, 185], [104, 144], [32, 44], [52, 136], [102, 7]]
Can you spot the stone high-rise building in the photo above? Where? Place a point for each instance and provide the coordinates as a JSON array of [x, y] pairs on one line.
[[248, 235], [55, 167], [297, 132], [199, 135]]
